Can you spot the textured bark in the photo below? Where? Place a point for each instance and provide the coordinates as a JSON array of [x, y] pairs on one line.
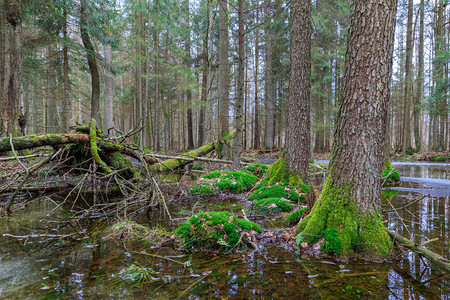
[[157, 96], [65, 108], [270, 101], [92, 62], [438, 78], [223, 74], [237, 145], [298, 119], [420, 80], [406, 142], [256, 126], [12, 77], [350, 200], [187, 49], [109, 91]]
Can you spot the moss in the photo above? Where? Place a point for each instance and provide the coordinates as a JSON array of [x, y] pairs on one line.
[[198, 167], [358, 231], [256, 169], [332, 243], [273, 205], [214, 231], [438, 158], [387, 168], [132, 231], [295, 194], [128, 170], [295, 216], [226, 181]]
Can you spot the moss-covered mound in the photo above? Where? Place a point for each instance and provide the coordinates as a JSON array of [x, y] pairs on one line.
[[295, 216], [131, 231], [215, 231], [256, 169], [273, 205], [226, 181], [294, 194], [390, 174]]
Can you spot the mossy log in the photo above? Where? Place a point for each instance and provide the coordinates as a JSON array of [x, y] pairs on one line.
[[436, 258], [175, 163], [35, 141]]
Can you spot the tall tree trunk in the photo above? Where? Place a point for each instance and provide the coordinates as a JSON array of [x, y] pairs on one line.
[[270, 101], [92, 62], [187, 49], [65, 108], [12, 58], [406, 142], [158, 109], [237, 143], [256, 126], [349, 206], [418, 100], [109, 89], [298, 120], [223, 74]]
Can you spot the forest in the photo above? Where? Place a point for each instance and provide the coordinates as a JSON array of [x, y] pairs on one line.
[[224, 148]]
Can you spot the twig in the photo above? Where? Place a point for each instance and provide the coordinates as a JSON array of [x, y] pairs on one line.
[[158, 256]]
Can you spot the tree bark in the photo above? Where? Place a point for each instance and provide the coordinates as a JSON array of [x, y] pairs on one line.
[[270, 101], [349, 205], [406, 142], [109, 89], [92, 62], [223, 75], [298, 120], [237, 145], [65, 108], [256, 121], [420, 80], [187, 49]]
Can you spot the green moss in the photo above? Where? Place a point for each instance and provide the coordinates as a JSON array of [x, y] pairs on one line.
[[198, 167], [256, 169], [387, 168], [214, 231], [358, 231], [226, 181], [273, 205], [128, 170], [132, 231], [295, 216], [332, 243], [438, 158], [295, 194]]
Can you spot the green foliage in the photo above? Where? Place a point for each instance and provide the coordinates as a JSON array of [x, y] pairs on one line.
[[438, 158], [134, 275], [295, 216], [256, 169], [215, 231], [198, 167], [332, 243], [411, 151], [273, 205], [226, 181]]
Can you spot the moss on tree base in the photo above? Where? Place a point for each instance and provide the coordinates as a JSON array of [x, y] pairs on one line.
[[225, 181], [346, 229], [279, 182], [390, 174]]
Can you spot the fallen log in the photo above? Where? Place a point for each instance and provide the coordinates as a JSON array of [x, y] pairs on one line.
[[436, 258], [35, 141], [175, 163]]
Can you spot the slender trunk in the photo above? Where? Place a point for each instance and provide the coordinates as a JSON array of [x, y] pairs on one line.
[[270, 115], [109, 91], [65, 108], [157, 98], [92, 62], [223, 74], [237, 143], [406, 141], [298, 119], [418, 100], [256, 126]]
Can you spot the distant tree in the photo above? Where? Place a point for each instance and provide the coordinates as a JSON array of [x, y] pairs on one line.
[[348, 212]]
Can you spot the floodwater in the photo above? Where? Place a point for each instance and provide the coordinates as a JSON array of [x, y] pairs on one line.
[[90, 266]]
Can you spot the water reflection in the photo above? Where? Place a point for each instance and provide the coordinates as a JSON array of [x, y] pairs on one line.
[[84, 268]]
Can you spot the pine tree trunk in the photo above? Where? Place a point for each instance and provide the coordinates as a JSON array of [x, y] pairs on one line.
[[237, 143], [92, 62], [256, 121], [298, 120], [406, 142], [223, 75], [65, 108], [269, 99], [418, 100], [349, 205]]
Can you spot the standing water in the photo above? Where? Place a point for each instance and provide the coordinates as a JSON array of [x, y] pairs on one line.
[[90, 266]]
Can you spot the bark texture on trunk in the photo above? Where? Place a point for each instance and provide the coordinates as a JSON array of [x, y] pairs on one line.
[[270, 101], [223, 75], [298, 120], [92, 62], [406, 142], [420, 79], [347, 212]]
